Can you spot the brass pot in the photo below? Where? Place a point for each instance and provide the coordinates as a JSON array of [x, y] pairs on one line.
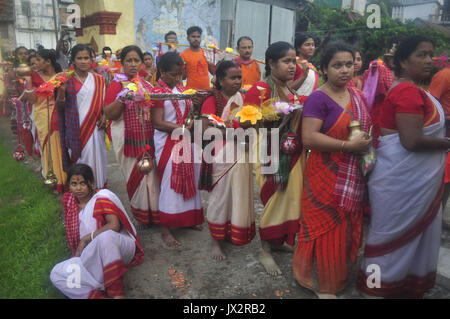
[[188, 120], [144, 166], [355, 130], [50, 179], [23, 70]]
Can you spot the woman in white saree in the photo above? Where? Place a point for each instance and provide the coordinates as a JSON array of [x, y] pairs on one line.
[[306, 79], [229, 176], [102, 239], [80, 117], [406, 185]]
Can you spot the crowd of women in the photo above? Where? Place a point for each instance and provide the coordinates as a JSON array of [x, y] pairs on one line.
[[313, 204]]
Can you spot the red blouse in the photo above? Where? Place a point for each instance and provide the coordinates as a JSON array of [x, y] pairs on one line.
[[407, 98], [111, 92]]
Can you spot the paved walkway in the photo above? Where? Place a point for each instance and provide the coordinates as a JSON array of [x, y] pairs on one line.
[[240, 276]]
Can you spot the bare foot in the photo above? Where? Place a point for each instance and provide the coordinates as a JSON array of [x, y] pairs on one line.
[[119, 297], [197, 227], [168, 238], [326, 296], [266, 259], [283, 248], [37, 170], [216, 251]]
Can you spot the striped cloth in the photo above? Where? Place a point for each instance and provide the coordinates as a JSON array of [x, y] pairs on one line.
[[71, 219], [205, 181], [350, 185], [134, 138], [182, 178]]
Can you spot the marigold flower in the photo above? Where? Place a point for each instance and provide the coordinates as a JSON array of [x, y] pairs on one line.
[[249, 113]]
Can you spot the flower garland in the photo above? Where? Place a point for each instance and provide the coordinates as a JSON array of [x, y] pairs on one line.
[[47, 89]]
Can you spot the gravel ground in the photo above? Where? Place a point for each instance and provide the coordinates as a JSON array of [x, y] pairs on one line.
[[240, 276]]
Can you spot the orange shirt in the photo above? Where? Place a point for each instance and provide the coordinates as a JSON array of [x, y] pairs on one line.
[[440, 89], [196, 69], [250, 74]]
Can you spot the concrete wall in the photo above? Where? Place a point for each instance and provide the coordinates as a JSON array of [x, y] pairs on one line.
[[125, 25]]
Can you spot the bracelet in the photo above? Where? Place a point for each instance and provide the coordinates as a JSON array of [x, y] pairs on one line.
[[92, 236], [342, 146], [29, 91]]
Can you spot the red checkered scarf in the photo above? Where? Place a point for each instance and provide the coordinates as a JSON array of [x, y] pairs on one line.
[[350, 185], [134, 140], [385, 79], [182, 179], [71, 212]]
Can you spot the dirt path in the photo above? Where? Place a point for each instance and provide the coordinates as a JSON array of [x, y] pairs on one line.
[[240, 276]]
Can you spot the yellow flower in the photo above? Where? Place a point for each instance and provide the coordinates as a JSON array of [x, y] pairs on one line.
[[133, 87], [103, 62], [190, 91], [147, 96], [249, 113], [269, 113], [229, 50]]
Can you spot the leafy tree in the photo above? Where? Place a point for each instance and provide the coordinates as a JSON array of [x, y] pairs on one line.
[[328, 24], [385, 5]]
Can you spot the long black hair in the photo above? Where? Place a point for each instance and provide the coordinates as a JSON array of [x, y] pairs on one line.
[[167, 61], [78, 48], [128, 49], [301, 38], [147, 53], [275, 52], [83, 170], [330, 51], [47, 54], [16, 58], [405, 49], [221, 72]]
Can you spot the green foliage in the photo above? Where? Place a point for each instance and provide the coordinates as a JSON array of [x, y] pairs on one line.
[[328, 24], [32, 235]]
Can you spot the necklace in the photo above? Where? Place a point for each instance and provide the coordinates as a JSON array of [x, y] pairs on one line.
[[79, 78]]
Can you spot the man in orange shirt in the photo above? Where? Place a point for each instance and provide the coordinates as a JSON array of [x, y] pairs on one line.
[[250, 68], [195, 63]]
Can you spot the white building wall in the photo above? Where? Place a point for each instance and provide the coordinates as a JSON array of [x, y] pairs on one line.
[[425, 11], [36, 25]]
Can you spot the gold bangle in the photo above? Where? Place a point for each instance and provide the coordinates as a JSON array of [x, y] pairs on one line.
[[342, 146]]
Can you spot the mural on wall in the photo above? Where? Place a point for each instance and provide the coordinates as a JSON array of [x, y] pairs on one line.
[[154, 18]]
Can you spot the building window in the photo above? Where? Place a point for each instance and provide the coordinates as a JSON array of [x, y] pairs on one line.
[[26, 8]]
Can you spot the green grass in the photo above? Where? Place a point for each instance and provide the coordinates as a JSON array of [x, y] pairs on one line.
[[32, 235]]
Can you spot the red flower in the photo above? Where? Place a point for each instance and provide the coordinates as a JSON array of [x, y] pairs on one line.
[[45, 90], [235, 124], [302, 99], [62, 77]]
